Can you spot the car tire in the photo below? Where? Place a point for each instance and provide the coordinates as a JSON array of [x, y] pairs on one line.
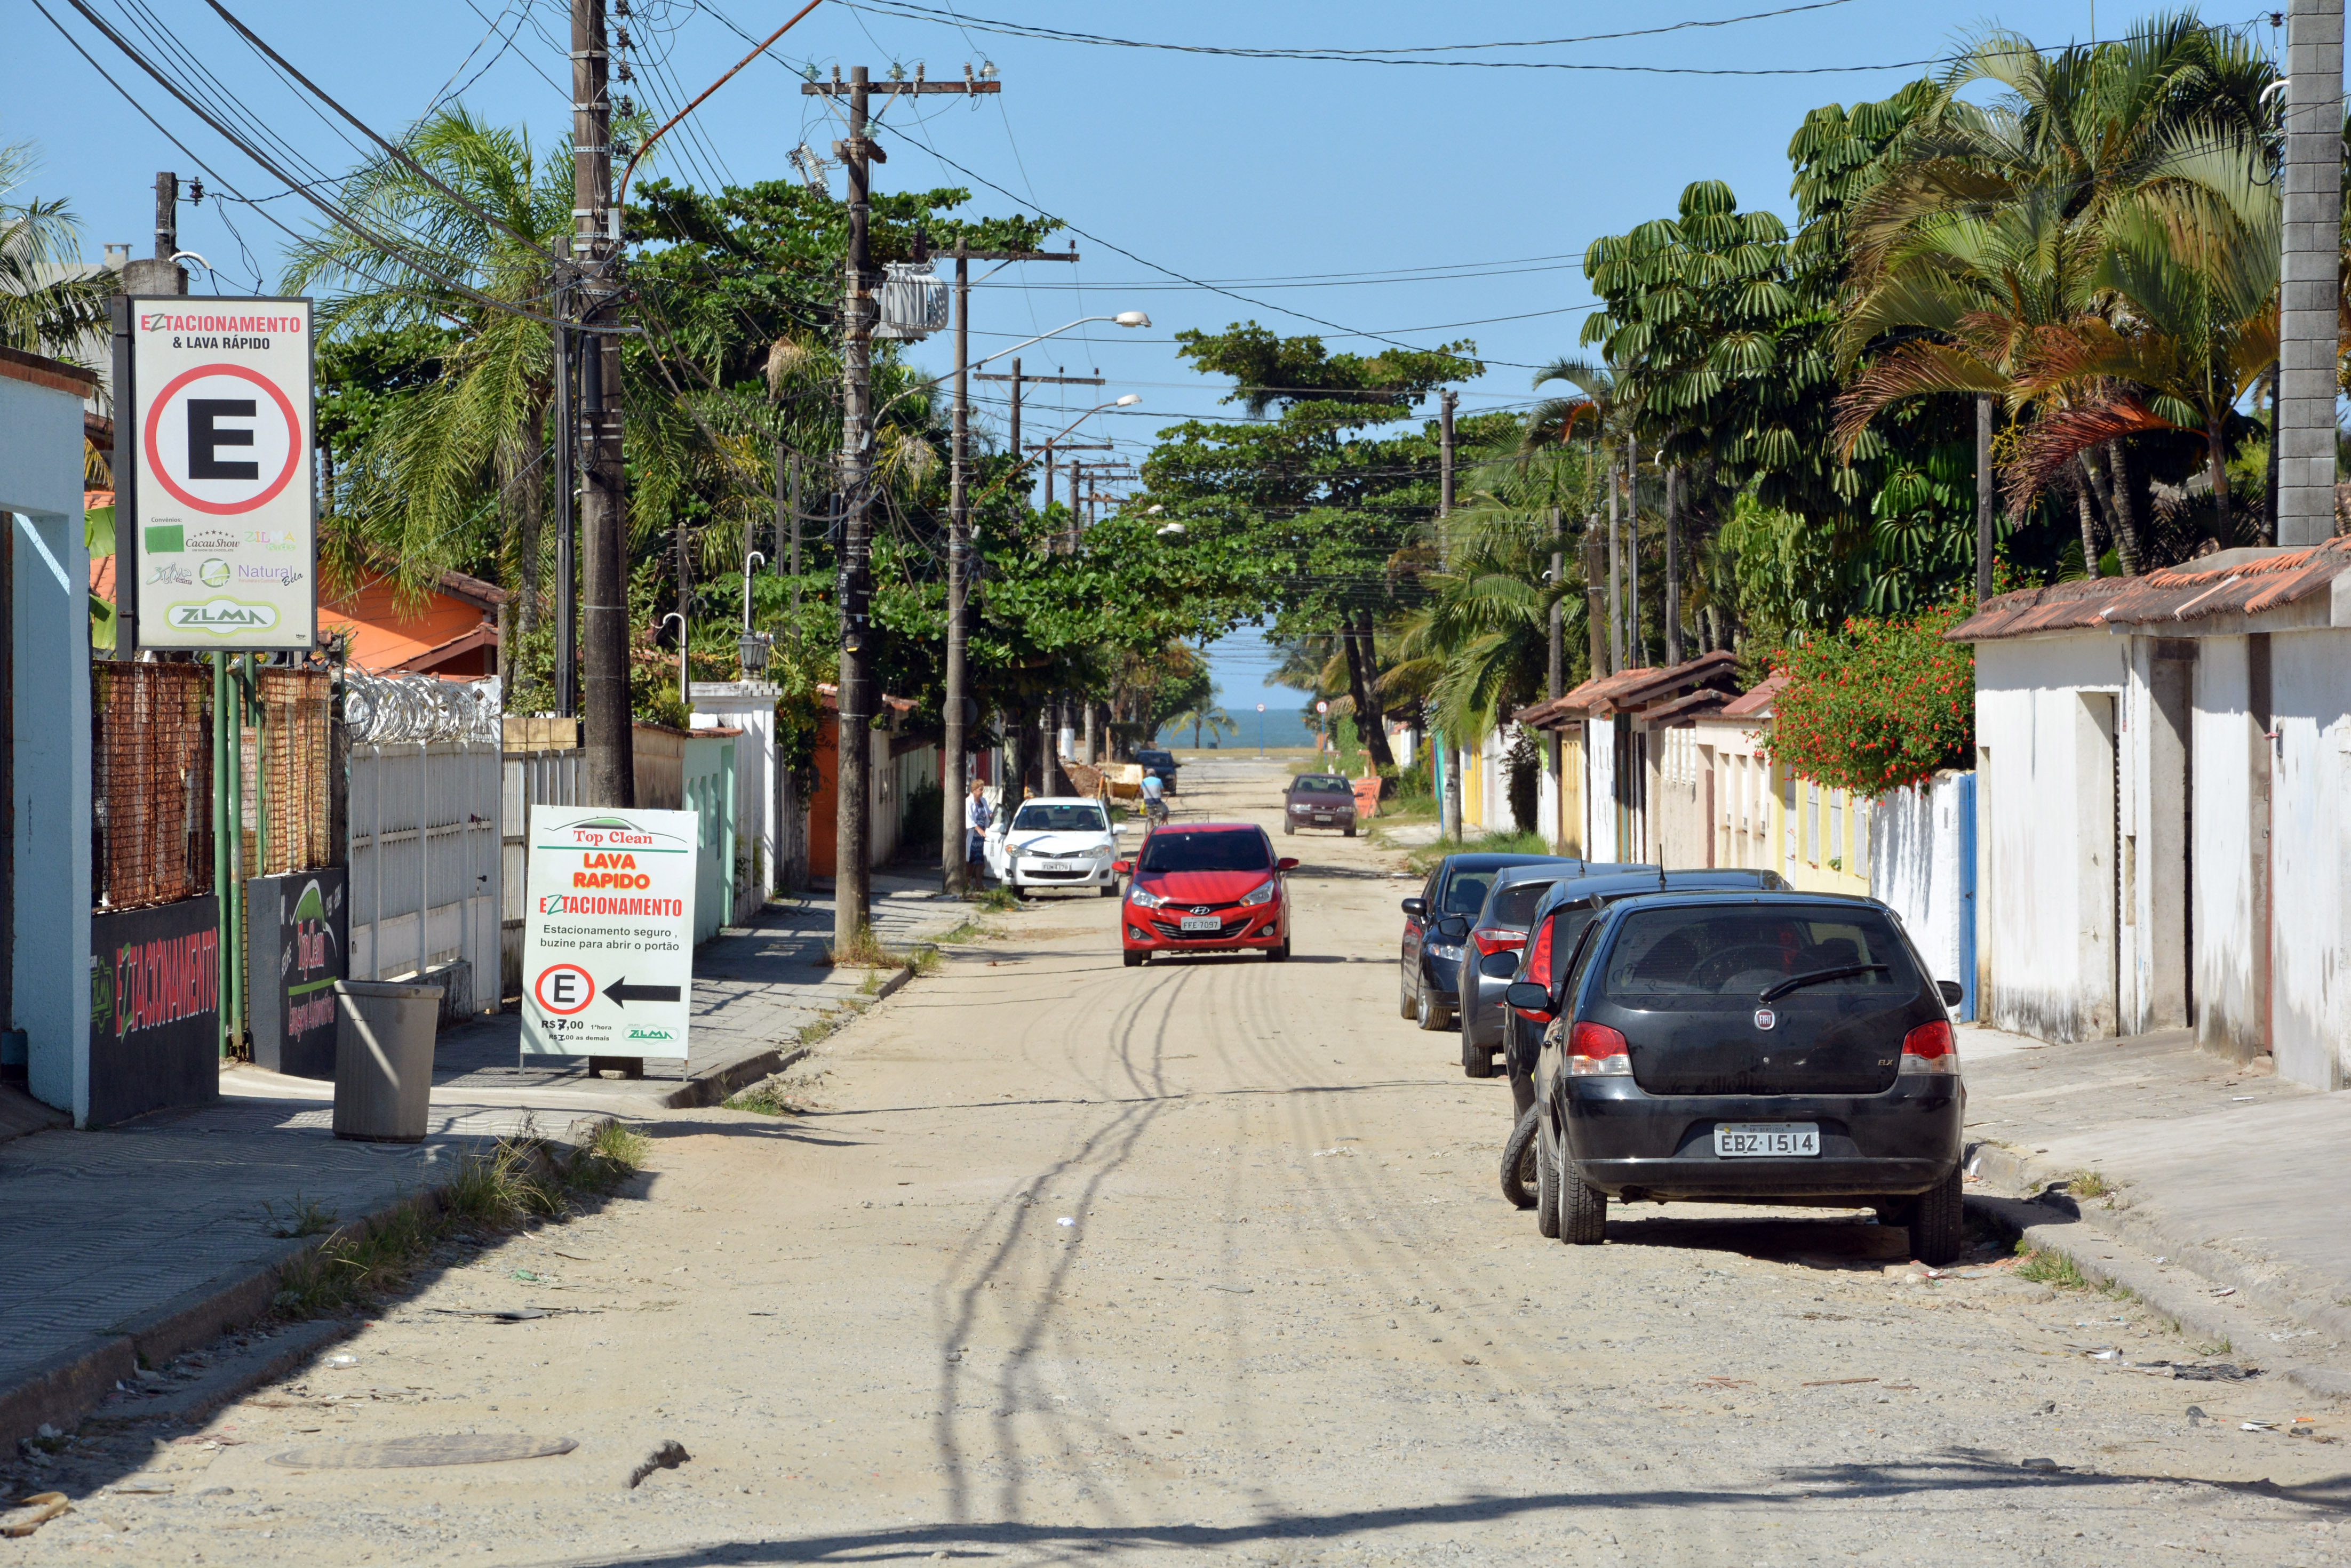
[[1404, 997], [1427, 1013], [1582, 1209], [1520, 1180], [1477, 1061], [1279, 954], [1546, 1183], [1350, 833], [1290, 829], [1939, 1223], [1135, 957], [1110, 891]]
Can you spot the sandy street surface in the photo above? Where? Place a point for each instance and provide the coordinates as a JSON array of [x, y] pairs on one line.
[[1065, 1261]]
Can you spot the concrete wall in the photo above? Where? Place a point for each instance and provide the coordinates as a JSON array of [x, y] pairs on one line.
[[1603, 841], [1915, 843], [2310, 1012], [2045, 731], [2222, 907], [1677, 804], [40, 505], [750, 706]]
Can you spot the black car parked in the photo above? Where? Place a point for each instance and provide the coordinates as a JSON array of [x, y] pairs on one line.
[[1158, 764], [1436, 926], [1784, 1048]]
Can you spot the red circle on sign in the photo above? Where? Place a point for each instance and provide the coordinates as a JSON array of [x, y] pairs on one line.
[[293, 441], [539, 989]]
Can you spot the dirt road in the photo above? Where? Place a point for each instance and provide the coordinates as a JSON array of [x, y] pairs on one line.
[[1065, 1260]]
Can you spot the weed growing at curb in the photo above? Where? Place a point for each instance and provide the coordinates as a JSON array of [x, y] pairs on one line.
[[971, 930], [998, 901], [2088, 1183], [865, 951], [302, 1217], [520, 1182], [2046, 1268]]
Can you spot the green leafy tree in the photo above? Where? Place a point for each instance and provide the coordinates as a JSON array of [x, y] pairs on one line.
[[49, 302]]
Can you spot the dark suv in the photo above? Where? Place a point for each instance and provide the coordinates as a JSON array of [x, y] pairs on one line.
[[1158, 764], [1437, 928], [1784, 1048]]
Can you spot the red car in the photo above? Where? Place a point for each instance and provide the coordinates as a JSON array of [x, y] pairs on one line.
[[1206, 887]]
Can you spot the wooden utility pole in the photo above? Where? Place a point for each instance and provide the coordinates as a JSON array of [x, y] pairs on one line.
[[565, 453], [852, 871], [1555, 672], [1616, 576], [1448, 802], [1445, 452], [1020, 381], [604, 608], [1633, 648], [1595, 595]]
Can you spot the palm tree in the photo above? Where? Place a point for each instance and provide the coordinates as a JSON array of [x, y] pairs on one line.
[[476, 438], [49, 302]]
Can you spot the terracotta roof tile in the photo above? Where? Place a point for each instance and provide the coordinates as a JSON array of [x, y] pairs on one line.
[[2239, 582]]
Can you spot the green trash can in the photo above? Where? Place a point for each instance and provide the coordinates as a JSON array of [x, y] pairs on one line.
[[384, 1034]]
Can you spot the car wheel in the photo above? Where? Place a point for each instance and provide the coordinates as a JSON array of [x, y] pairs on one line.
[[1427, 1013], [1290, 829], [1938, 1229], [1279, 954], [1582, 1209], [1110, 891], [1350, 833], [1404, 997], [1521, 1179], [1477, 1061], [1135, 957], [1546, 1183]]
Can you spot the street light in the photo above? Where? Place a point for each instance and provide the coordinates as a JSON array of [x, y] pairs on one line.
[[751, 647], [1123, 319], [1126, 401]]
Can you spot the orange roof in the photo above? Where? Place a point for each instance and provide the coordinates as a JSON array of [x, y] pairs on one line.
[[453, 630]]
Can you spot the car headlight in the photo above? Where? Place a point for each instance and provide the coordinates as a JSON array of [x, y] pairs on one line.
[[1141, 899], [1263, 895]]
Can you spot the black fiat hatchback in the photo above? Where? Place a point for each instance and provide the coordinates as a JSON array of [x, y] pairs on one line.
[[1783, 1048]]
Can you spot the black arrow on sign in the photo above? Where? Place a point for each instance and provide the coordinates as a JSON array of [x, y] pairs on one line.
[[622, 993]]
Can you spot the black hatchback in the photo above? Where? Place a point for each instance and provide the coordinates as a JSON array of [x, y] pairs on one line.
[[1784, 1048]]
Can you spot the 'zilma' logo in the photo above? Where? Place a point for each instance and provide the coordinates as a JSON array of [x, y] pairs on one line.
[[224, 615]]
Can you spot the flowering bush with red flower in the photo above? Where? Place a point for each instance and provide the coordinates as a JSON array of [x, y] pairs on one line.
[[1881, 705]]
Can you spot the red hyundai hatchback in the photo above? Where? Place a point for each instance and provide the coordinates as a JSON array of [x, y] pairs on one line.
[[1212, 887]]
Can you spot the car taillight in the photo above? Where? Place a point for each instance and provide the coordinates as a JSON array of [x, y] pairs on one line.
[[1930, 1048], [1496, 939], [1537, 969], [1594, 1050]]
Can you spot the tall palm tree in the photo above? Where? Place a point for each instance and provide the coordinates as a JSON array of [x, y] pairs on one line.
[[49, 302], [475, 440]]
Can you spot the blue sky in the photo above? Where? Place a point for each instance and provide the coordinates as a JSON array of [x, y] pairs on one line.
[[1342, 199]]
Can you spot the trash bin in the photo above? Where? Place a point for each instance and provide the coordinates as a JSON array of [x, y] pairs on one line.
[[383, 1059]]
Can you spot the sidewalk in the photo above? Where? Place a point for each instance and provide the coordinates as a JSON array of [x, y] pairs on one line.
[[149, 1239], [2228, 1208]]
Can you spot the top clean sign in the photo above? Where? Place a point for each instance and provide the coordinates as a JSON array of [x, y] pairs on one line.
[[221, 544]]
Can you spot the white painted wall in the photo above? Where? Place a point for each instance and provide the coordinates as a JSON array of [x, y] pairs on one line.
[[1914, 867], [2311, 710], [2046, 819], [749, 706], [2227, 983], [1600, 798]]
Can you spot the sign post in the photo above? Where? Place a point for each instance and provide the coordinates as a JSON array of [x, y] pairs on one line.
[[608, 934], [219, 550]]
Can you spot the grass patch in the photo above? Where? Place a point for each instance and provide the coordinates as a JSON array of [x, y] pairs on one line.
[[2046, 1268], [520, 1182], [1423, 859], [2087, 1183], [969, 932], [766, 1098], [2223, 1346], [865, 951], [302, 1217], [998, 900]]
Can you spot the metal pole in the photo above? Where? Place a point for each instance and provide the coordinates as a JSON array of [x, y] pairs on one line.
[[223, 883], [2308, 345], [851, 883], [952, 741]]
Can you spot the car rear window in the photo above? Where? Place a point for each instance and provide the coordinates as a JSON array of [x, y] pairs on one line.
[[1153, 759], [1466, 894], [1322, 786], [1164, 851], [1515, 905], [1738, 952], [1060, 819]]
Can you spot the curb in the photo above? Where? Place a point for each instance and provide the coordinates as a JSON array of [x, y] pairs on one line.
[[720, 1083], [2180, 1288], [68, 1388]]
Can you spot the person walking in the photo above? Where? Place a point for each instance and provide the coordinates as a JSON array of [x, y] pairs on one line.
[[977, 816]]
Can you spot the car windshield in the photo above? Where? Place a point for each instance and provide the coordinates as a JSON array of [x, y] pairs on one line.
[[1322, 786], [1515, 905], [1737, 953], [1035, 818], [1243, 851], [1153, 759], [1466, 894]]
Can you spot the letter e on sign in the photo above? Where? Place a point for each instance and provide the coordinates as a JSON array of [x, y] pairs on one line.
[[563, 989]]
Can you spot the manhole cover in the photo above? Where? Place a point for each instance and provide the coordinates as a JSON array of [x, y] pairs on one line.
[[435, 1448]]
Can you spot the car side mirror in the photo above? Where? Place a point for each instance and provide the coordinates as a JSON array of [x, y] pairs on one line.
[[1453, 928], [1416, 907], [1529, 996], [1953, 991], [1124, 867], [1499, 966], [1287, 863]]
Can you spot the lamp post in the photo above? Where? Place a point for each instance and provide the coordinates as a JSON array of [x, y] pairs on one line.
[[751, 647], [1127, 400]]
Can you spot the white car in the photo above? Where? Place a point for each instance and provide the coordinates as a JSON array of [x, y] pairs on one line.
[[1064, 841]]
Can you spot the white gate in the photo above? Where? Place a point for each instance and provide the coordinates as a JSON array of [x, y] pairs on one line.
[[545, 778]]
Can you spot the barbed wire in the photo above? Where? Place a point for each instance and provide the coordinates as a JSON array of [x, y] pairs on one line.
[[411, 710]]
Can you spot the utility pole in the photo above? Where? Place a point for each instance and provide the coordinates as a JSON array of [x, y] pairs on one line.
[[1555, 673], [162, 274], [798, 516], [1633, 553], [685, 624], [1448, 802], [1983, 499], [1673, 566], [565, 452], [1595, 596], [604, 609], [1020, 381], [853, 875], [960, 711], [2309, 348], [1616, 576]]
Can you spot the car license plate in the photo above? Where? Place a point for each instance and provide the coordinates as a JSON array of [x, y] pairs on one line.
[[1201, 923], [1766, 1140], [1322, 819]]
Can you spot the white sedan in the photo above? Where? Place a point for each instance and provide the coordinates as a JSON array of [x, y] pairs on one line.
[[1056, 842]]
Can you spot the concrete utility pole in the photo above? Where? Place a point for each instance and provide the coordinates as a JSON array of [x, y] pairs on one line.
[[1984, 498], [1445, 452], [1556, 674], [1673, 566], [564, 452], [162, 274], [1448, 802], [1633, 648], [1020, 381], [1595, 595], [604, 608], [2308, 347], [852, 873], [1615, 578]]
